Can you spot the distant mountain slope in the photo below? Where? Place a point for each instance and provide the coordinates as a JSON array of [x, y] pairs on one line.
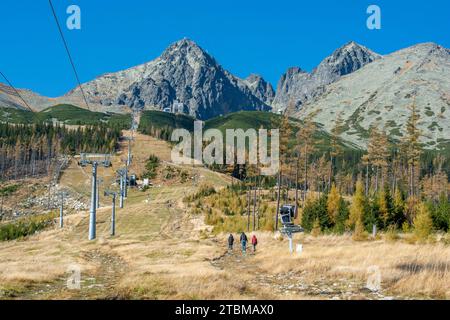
[[298, 87], [37, 102], [243, 120], [161, 124], [67, 114], [380, 92], [16, 115], [10, 99]]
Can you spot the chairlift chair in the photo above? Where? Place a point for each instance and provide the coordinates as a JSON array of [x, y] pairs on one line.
[[84, 161], [132, 180], [106, 162], [288, 214]]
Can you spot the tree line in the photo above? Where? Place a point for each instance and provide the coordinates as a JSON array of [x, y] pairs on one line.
[[31, 150]]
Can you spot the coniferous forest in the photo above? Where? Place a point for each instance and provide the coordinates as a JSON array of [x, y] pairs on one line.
[[31, 150]]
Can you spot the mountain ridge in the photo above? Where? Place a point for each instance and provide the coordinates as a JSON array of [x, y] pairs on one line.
[[379, 94]]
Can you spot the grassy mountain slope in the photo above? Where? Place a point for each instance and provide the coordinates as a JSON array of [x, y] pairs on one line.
[[243, 120], [68, 114], [13, 115], [161, 125], [159, 119]]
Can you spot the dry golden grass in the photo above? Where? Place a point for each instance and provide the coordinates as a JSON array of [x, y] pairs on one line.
[[409, 270]]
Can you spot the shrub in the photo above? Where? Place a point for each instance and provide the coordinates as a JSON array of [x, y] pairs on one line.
[[151, 167], [184, 176], [391, 233], [316, 209], [406, 228], [359, 233], [316, 230], [441, 214], [204, 191], [8, 190], [25, 227]]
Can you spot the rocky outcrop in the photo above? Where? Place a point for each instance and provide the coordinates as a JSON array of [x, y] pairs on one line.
[[260, 88]]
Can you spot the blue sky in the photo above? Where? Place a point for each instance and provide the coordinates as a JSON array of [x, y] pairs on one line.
[[245, 36]]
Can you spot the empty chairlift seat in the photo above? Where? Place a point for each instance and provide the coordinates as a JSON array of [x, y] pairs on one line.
[[288, 214]]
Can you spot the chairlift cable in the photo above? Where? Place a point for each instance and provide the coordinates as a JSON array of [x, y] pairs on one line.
[[68, 52], [16, 91]]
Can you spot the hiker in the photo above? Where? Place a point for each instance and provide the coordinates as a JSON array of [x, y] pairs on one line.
[[230, 242], [254, 242], [243, 242]]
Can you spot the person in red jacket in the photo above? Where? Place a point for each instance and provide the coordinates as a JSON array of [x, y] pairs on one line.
[[254, 242]]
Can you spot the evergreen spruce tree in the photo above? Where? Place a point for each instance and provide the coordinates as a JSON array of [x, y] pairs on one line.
[[342, 216], [441, 214], [399, 208]]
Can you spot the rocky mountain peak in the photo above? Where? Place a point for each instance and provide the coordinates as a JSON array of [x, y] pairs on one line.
[[345, 60], [300, 87], [187, 49]]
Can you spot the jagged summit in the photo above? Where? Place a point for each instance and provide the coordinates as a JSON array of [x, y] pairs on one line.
[[186, 48], [344, 60], [353, 50], [298, 87]]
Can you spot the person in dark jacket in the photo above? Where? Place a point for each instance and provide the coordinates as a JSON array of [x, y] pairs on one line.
[[230, 242], [254, 242], [243, 242]]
